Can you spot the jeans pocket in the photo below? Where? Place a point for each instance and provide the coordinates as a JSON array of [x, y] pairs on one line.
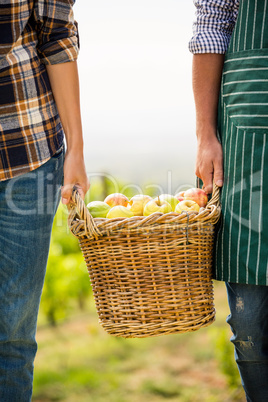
[[59, 152]]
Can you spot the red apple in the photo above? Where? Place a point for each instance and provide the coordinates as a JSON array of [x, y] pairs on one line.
[[116, 199], [198, 195], [180, 195]]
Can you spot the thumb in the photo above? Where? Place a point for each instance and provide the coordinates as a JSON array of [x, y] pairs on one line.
[[218, 173]]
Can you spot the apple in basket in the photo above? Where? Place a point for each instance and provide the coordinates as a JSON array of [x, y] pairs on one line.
[[198, 195], [116, 199], [187, 206], [98, 209], [171, 199], [119, 211], [156, 205], [137, 203], [180, 196]]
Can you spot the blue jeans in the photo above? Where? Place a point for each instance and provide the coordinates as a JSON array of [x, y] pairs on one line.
[[249, 323], [28, 204]]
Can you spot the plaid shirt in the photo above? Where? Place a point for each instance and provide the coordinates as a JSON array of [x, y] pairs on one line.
[[213, 26], [32, 33]]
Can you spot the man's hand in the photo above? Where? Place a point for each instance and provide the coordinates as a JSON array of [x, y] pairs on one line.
[[209, 163], [207, 72], [74, 175]]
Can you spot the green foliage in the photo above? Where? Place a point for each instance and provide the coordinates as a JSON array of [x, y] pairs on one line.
[[76, 363], [164, 389]]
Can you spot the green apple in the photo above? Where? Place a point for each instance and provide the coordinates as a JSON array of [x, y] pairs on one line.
[[156, 205], [137, 203], [119, 211], [187, 206], [98, 209], [173, 201]]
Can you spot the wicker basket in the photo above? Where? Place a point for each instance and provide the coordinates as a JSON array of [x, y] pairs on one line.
[[150, 275]]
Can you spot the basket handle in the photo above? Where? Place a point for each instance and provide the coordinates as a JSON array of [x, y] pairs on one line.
[[215, 198], [78, 207]]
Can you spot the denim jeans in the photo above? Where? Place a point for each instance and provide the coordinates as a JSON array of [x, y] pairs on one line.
[[249, 323], [27, 207]]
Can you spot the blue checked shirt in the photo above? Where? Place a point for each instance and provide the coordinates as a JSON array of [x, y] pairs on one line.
[[213, 25]]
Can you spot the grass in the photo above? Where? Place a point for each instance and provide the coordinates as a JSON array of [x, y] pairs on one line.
[[78, 362]]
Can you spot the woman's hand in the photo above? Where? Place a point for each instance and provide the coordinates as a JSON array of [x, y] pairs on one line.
[[74, 175], [64, 82], [209, 162]]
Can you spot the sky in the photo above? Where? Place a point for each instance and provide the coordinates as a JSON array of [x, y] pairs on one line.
[[136, 92]]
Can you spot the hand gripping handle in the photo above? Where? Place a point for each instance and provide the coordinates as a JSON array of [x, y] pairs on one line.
[[85, 224]]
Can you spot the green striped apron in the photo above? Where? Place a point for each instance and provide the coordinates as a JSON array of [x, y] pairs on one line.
[[241, 247]]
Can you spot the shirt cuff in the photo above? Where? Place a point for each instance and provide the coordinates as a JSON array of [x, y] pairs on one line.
[[63, 51], [58, 42], [209, 42]]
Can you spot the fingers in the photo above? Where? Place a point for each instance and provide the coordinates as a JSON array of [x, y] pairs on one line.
[[208, 183], [74, 175], [66, 193], [209, 163], [67, 189], [218, 173], [210, 172]]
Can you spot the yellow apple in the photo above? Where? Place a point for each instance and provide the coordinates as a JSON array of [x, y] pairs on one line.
[[119, 211], [137, 203], [187, 206], [173, 201], [98, 209], [198, 195], [156, 205], [116, 199]]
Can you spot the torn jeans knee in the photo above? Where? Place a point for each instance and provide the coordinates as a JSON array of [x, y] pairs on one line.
[[248, 322], [239, 304]]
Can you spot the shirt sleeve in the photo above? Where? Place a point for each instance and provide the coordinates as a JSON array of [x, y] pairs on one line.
[[213, 25], [58, 39]]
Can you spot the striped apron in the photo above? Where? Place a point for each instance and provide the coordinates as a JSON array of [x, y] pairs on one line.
[[241, 247]]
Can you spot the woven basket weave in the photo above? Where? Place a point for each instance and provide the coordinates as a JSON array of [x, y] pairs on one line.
[[150, 275]]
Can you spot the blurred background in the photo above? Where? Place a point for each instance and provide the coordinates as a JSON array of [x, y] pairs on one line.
[[139, 129], [136, 94]]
